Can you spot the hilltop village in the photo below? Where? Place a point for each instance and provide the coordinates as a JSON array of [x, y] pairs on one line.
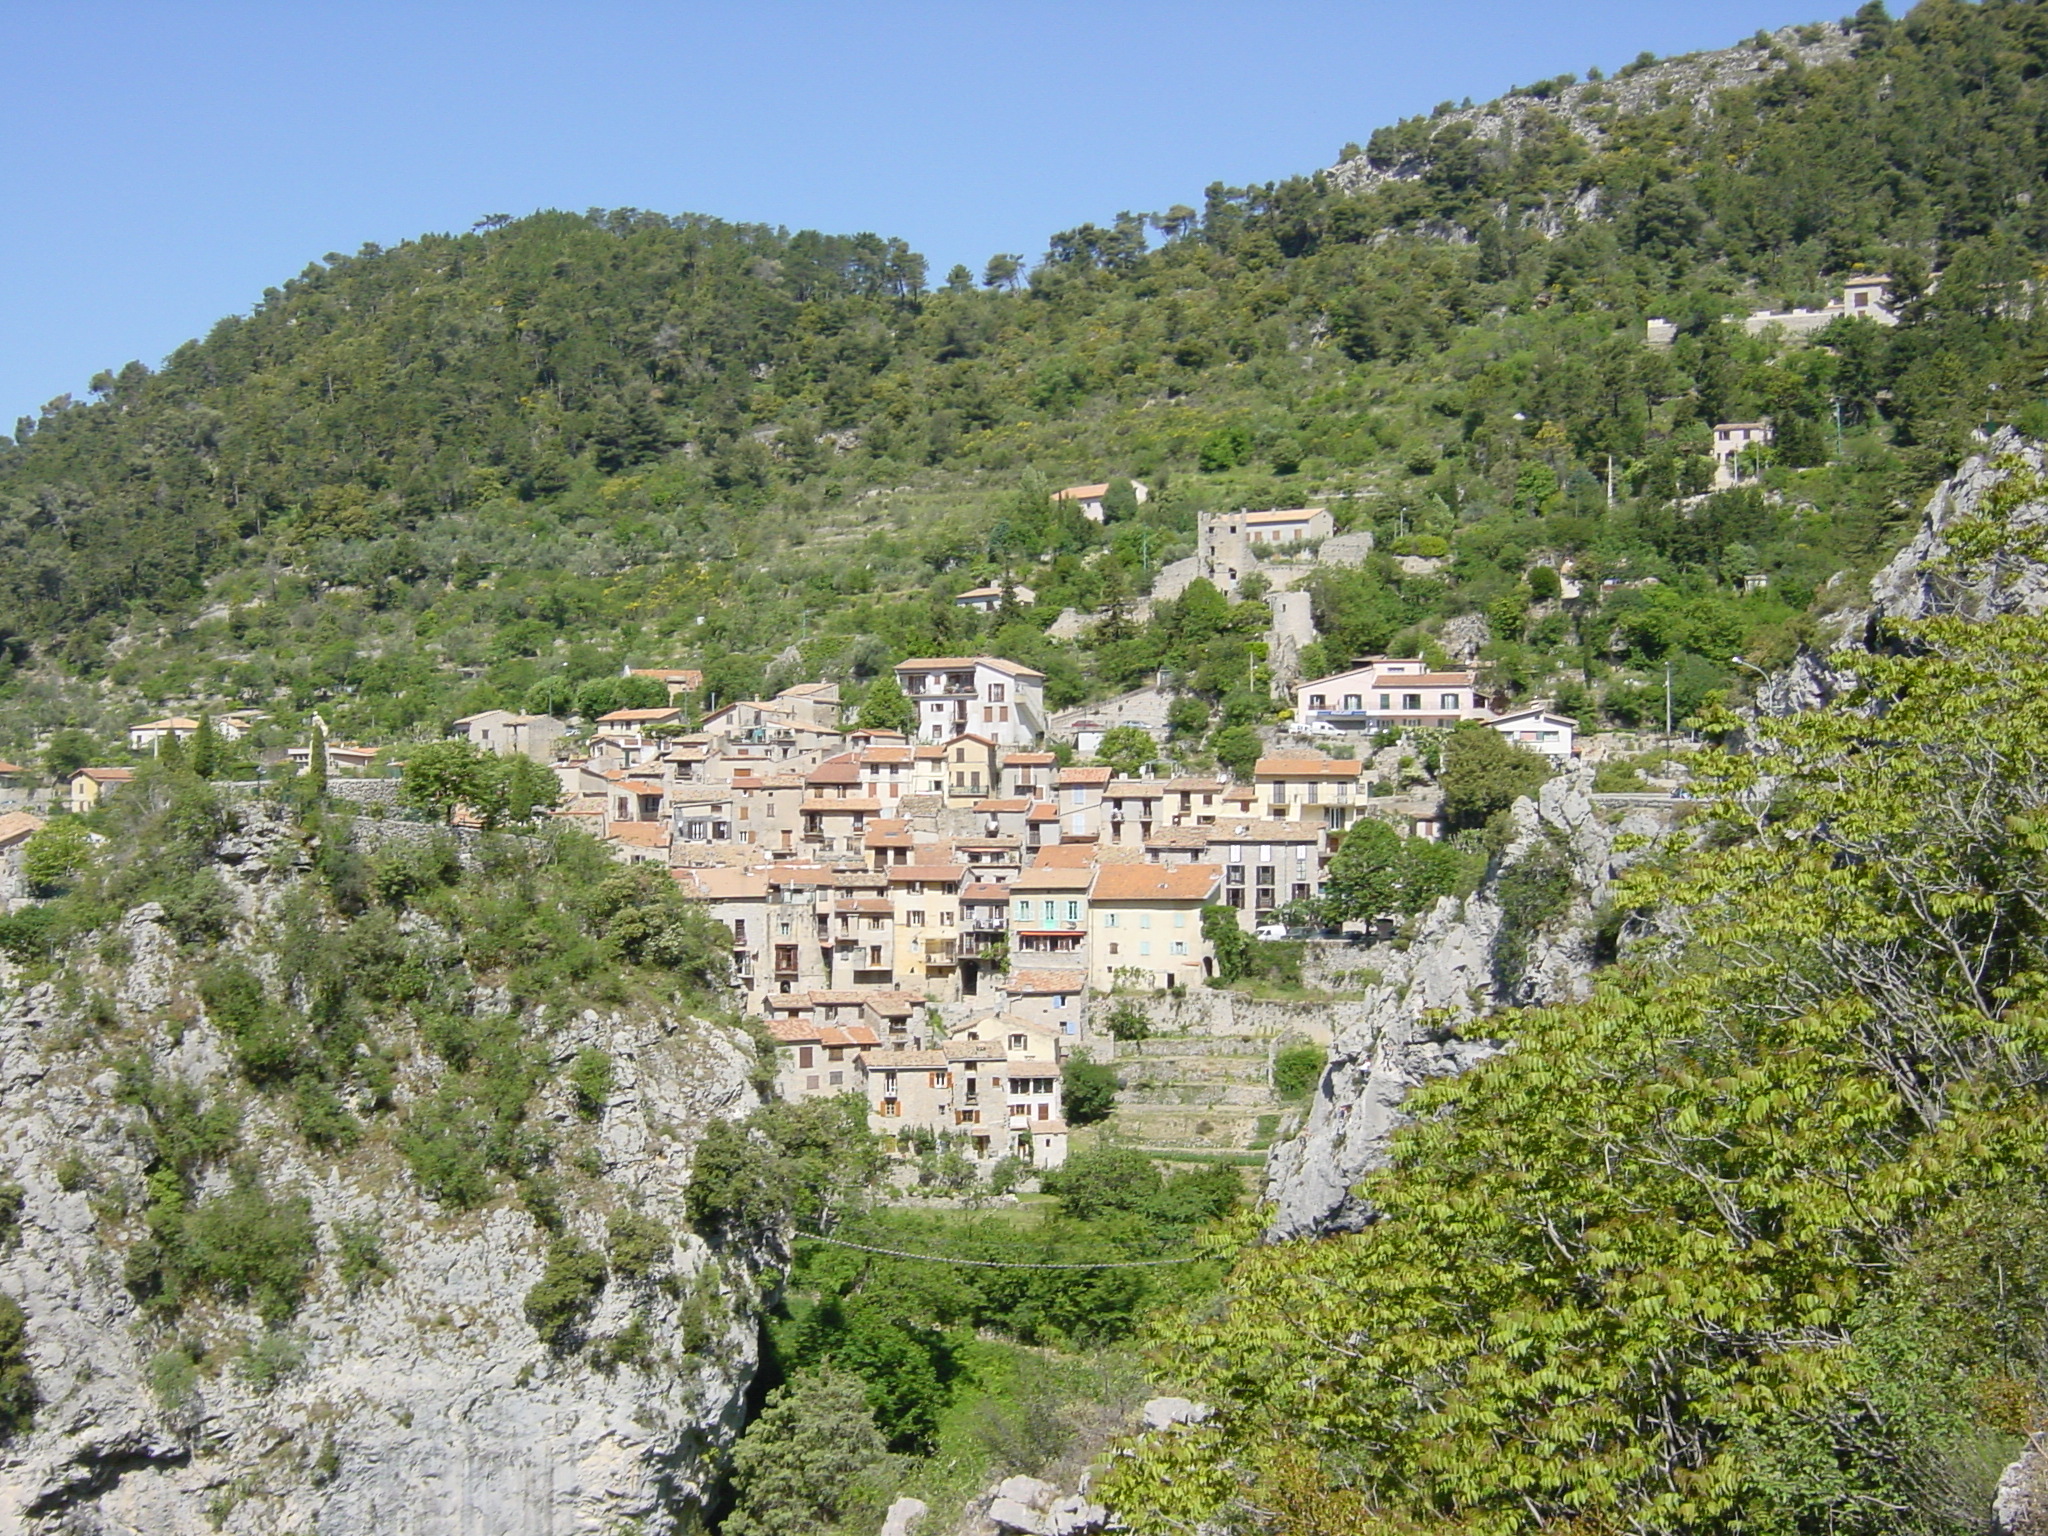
[[922, 916]]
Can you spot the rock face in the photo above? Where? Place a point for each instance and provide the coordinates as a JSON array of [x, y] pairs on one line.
[[1447, 976], [1915, 584], [414, 1397], [2021, 1505]]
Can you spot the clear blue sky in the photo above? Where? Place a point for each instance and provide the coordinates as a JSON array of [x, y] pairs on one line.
[[165, 162]]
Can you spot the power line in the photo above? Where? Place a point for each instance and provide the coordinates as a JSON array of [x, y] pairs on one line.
[[940, 1258]]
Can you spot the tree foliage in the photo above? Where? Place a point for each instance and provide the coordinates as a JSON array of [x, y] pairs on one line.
[[1665, 1263]]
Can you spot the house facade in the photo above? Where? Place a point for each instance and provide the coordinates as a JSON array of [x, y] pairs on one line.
[[986, 695], [1388, 694]]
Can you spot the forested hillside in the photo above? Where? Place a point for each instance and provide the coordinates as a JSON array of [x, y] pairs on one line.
[[419, 481]]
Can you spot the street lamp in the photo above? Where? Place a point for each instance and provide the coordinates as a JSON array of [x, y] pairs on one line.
[[1752, 666]]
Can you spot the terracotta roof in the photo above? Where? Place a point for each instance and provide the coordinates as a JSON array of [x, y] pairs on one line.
[[843, 997], [1054, 878], [1048, 1127], [799, 1032], [835, 770], [875, 733], [985, 890], [1178, 837], [16, 825], [1307, 768], [930, 754], [807, 690], [172, 723], [105, 775], [637, 834], [851, 804], [1045, 810], [885, 755], [893, 1004], [1073, 776], [1133, 789], [1028, 759], [1082, 492], [945, 874], [1065, 856], [716, 883], [873, 904], [973, 1050], [1294, 515], [639, 716], [1235, 830], [959, 663], [7, 767], [1154, 882], [1021, 983], [997, 806], [689, 677], [903, 1061], [1194, 786]]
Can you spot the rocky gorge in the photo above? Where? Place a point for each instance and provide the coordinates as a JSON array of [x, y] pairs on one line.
[[403, 1385]]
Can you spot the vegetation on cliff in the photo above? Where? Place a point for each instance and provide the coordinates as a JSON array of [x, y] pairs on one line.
[[1752, 1240]]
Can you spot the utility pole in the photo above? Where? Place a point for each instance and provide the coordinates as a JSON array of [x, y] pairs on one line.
[[1667, 699], [1838, 427], [1610, 479]]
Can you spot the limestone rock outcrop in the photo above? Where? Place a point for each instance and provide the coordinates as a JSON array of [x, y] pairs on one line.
[[1918, 583], [1418, 1021], [408, 1393]]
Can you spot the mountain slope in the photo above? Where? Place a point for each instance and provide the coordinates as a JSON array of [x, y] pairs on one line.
[[537, 449]]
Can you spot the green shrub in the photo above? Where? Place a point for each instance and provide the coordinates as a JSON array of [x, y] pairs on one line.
[[638, 1245], [566, 1295], [1127, 1021], [11, 1196], [1296, 1071], [173, 1378], [1088, 1089], [590, 1080], [18, 1395], [250, 1246], [271, 1359], [359, 1247]]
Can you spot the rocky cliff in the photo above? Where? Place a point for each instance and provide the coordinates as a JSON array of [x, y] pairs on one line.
[[404, 1389], [1923, 581], [1466, 958]]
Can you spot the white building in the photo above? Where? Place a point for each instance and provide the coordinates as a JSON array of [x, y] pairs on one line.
[[1539, 730], [989, 599], [1090, 498], [1388, 694], [992, 698], [1733, 439]]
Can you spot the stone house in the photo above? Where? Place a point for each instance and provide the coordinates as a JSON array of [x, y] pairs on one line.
[[1052, 998], [1027, 775], [1318, 790], [815, 1060], [1146, 925], [989, 599], [973, 769], [1089, 498], [1266, 864], [16, 828], [88, 786], [1078, 796], [502, 731], [996, 699], [1049, 918], [1734, 459], [150, 736], [680, 682], [926, 899]]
